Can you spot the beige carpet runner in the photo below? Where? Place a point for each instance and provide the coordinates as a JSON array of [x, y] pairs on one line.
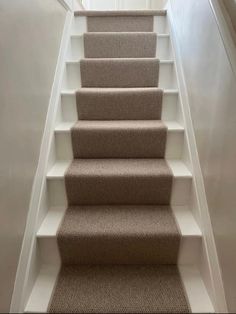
[[119, 241]]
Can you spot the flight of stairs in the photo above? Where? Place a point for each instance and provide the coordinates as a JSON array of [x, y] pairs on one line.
[[119, 230]]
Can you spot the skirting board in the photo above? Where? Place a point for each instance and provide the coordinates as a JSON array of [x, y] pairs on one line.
[[215, 286]]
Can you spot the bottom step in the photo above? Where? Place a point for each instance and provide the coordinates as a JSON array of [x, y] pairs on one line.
[[93, 279], [119, 289]]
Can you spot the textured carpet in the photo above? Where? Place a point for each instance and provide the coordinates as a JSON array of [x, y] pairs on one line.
[[119, 235], [119, 241], [119, 289], [118, 181], [114, 13], [120, 23], [120, 45], [119, 72], [119, 103], [119, 139]]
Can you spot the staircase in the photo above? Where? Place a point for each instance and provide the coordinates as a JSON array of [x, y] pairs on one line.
[[119, 235]]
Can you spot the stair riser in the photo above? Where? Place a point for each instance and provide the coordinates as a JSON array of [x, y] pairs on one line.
[[120, 45], [119, 73], [80, 25], [174, 147], [120, 24], [119, 250], [76, 48], [181, 191], [190, 249], [72, 76], [169, 107]]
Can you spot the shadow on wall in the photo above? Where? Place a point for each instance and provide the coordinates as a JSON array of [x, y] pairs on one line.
[[229, 10]]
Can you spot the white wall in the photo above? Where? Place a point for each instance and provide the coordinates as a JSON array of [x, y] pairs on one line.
[[211, 86], [124, 4], [29, 45]]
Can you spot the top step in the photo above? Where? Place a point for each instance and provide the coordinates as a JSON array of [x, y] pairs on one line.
[[121, 13], [121, 21]]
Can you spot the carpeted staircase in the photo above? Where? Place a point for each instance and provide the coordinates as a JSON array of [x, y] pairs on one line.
[[119, 241]]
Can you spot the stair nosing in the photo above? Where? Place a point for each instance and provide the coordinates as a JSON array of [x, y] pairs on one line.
[[118, 33], [130, 13], [77, 62], [72, 92], [177, 166], [65, 127]]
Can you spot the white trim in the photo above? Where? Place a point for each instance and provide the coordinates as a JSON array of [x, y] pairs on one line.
[[226, 32], [208, 236], [24, 266], [67, 4]]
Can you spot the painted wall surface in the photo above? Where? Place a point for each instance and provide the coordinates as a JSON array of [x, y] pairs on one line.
[[124, 4], [211, 88], [29, 45]]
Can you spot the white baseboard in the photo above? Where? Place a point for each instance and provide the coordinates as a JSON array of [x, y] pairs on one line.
[[211, 259]]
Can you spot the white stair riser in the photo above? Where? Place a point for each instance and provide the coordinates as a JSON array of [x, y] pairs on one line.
[[167, 75], [76, 48], [80, 25], [174, 145], [169, 107], [181, 191], [190, 249]]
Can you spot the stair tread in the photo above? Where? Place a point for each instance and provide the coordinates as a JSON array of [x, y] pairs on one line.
[[119, 235], [184, 218], [141, 221], [116, 89], [117, 33], [121, 60], [178, 168], [43, 288], [66, 126], [120, 13], [119, 167], [119, 289]]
